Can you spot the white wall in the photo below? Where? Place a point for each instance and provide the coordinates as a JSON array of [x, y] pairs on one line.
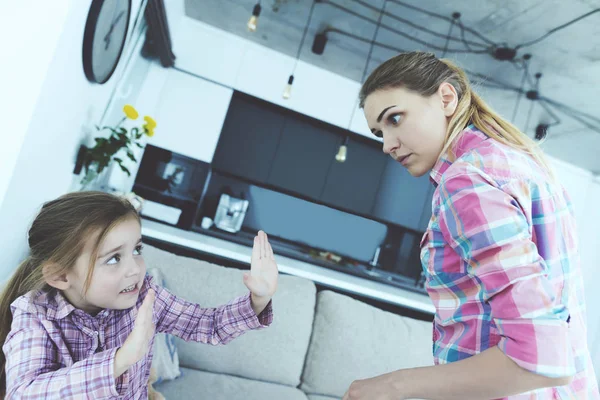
[[49, 108], [27, 50], [590, 257]]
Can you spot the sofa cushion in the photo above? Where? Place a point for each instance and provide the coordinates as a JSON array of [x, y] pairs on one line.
[[275, 354], [194, 384], [166, 359], [353, 340]]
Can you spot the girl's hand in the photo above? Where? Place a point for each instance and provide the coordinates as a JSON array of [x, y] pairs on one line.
[[262, 279], [138, 342]]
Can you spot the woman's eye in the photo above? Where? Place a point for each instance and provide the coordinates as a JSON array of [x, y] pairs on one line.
[[394, 119], [138, 250], [114, 259]]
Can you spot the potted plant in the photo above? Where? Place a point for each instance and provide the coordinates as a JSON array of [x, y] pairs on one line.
[[112, 149]]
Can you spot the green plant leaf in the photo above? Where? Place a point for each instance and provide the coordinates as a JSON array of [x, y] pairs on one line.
[[117, 159], [139, 145], [125, 170]]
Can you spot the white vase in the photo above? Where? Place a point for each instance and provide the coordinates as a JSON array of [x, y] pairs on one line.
[[92, 180]]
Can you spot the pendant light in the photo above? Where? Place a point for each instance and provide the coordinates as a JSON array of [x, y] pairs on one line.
[[287, 91], [342, 153], [253, 21]]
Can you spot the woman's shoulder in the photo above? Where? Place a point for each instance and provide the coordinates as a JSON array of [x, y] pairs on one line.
[[497, 164]]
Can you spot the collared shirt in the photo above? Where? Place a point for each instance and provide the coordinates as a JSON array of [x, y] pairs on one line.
[[502, 265], [56, 351]]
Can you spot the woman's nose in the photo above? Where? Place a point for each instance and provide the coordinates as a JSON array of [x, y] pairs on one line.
[[389, 145]]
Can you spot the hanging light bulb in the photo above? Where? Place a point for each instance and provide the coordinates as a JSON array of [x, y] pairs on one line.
[[342, 151], [287, 92], [253, 21]]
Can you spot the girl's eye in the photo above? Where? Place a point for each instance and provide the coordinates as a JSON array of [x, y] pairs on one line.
[[114, 259], [394, 119], [138, 250]]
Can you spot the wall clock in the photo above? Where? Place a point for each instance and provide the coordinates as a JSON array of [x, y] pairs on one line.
[[104, 38]]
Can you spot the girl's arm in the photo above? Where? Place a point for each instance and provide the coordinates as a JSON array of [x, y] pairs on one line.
[[33, 373], [221, 325], [191, 322]]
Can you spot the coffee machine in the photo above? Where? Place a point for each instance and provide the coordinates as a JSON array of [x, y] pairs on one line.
[[230, 213]]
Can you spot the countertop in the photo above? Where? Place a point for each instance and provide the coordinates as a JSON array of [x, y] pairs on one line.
[[234, 247]]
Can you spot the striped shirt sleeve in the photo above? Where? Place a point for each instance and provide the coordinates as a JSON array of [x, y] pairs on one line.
[[33, 373], [488, 228], [216, 326]]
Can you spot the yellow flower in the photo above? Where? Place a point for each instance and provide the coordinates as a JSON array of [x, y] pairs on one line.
[[150, 122], [130, 111], [148, 130]]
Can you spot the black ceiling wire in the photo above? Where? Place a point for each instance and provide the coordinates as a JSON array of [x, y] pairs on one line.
[[525, 73], [419, 27], [407, 36], [462, 34], [482, 79], [564, 108], [372, 44], [552, 114], [487, 81], [577, 118], [489, 49], [528, 116], [369, 54], [432, 14], [310, 14], [362, 39], [558, 28], [448, 38], [499, 83]]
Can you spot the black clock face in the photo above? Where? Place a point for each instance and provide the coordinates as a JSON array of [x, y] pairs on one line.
[[104, 38]]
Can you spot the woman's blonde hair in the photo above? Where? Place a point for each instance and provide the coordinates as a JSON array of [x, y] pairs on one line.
[[56, 240], [423, 73]]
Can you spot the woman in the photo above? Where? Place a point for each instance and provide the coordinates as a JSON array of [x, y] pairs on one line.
[[500, 252]]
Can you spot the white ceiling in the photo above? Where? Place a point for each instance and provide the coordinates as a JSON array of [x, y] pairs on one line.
[[569, 59]]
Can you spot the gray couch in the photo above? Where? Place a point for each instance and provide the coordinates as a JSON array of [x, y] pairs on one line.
[[316, 346]]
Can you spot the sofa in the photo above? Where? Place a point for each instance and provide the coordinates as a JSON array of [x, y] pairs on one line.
[[318, 343]]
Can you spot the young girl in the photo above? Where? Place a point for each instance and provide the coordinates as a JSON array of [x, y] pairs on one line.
[[500, 253], [79, 315]]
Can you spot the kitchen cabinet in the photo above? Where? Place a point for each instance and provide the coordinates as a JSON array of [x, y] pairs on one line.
[[321, 94], [305, 153], [353, 184], [403, 199], [204, 50], [249, 139], [190, 112]]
